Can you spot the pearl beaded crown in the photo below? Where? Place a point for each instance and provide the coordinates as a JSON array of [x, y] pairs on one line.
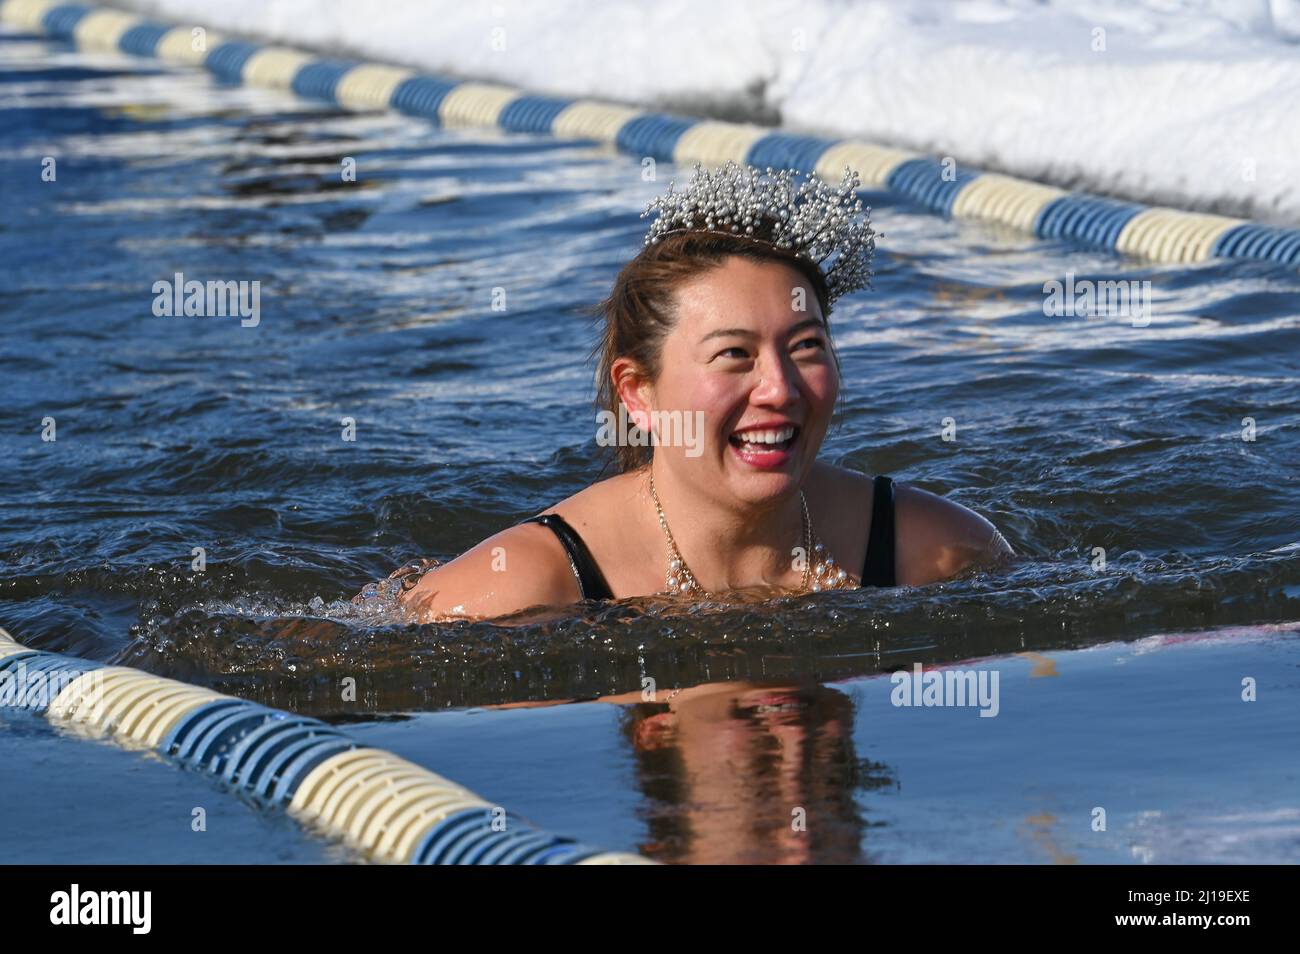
[[813, 220]]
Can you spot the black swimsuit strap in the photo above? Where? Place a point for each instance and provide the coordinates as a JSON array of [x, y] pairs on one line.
[[590, 579], [878, 568]]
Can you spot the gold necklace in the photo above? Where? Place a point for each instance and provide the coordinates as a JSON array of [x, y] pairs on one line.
[[822, 573]]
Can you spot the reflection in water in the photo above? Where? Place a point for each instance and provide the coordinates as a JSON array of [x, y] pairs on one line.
[[1040, 828], [743, 773]]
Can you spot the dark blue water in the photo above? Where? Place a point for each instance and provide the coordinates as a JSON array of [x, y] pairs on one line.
[[174, 433]]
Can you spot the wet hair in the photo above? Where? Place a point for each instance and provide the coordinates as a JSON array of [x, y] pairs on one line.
[[641, 309]]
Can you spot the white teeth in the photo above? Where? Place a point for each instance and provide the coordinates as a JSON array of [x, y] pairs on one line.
[[767, 437]]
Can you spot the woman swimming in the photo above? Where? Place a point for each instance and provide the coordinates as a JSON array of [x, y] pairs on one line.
[[716, 345]]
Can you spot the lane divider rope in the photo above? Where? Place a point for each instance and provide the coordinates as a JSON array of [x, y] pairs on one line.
[[1127, 228], [383, 806]]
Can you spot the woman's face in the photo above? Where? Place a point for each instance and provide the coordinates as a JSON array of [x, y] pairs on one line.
[[750, 350]]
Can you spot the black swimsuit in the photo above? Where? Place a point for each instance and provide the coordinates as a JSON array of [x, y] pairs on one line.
[[877, 569]]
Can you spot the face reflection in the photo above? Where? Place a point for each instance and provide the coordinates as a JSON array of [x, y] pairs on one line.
[[743, 354], [735, 769]]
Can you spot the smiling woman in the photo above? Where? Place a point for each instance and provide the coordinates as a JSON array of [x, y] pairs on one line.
[[722, 318]]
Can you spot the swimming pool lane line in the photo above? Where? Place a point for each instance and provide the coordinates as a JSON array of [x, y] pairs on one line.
[[389, 809], [1128, 228]]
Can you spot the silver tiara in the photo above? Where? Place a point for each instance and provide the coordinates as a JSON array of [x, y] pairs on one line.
[[811, 219]]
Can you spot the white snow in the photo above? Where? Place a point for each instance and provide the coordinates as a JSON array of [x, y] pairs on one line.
[[1189, 103]]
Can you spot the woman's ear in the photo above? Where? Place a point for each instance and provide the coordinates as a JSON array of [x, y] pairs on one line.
[[633, 390]]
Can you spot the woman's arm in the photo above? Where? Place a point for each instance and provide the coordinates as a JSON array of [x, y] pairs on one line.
[[938, 538], [520, 567]]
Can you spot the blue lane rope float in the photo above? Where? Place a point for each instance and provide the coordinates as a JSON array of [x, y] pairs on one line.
[[389, 809], [1127, 228], [1097, 223], [924, 182]]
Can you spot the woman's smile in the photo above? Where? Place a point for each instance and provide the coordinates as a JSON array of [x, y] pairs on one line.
[[765, 446]]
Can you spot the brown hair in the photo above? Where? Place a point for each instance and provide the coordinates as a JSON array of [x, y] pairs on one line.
[[641, 308]]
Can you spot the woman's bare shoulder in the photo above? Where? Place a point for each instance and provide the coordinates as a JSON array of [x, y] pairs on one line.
[[519, 567], [937, 538], [849, 492], [598, 499], [841, 480], [522, 566]]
